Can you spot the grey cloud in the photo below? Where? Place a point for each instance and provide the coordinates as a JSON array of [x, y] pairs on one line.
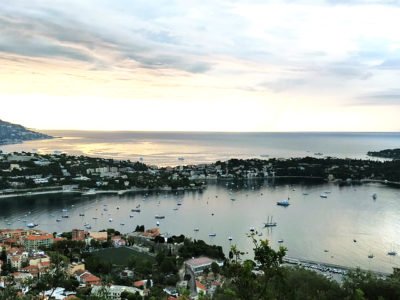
[[387, 97], [56, 34]]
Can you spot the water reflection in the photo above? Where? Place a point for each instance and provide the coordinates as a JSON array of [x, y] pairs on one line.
[[308, 227]]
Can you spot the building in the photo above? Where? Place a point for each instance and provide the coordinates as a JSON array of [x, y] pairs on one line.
[[75, 267], [87, 278], [115, 291], [33, 242], [198, 265], [78, 235], [99, 236], [118, 241]]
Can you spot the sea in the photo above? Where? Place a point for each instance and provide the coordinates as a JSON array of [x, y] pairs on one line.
[[343, 229]]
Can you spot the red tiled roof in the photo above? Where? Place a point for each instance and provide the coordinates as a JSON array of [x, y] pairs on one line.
[[39, 237], [139, 283], [200, 285], [90, 278]]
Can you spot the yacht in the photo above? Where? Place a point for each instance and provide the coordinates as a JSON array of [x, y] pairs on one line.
[[284, 202], [392, 253]]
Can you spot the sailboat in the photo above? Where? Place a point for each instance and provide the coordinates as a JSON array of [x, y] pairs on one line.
[[392, 252], [270, 223]]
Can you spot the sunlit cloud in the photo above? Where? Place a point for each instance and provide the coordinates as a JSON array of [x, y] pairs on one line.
[[182, 56]]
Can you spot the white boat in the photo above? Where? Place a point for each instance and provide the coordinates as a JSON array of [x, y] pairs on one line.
[[31, 225], [284, 202], [280, 241], [110, 220], [212, 234], [196, 229], [159, 217], [58, 220], [323, 195], [252, 229], [230, 238], [158, 223], [90, 192]]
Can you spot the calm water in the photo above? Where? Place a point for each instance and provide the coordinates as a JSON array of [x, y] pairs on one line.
[[308, 226], [164, 148]]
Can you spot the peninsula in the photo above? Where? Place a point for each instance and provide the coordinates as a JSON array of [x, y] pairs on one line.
[[14, 134]]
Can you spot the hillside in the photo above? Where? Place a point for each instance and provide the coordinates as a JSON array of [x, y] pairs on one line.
[[13, 133], [387, 153]]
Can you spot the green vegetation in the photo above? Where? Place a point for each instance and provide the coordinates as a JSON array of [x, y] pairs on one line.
[[387, 153], [120, 256], [195, 248], [267, 278]]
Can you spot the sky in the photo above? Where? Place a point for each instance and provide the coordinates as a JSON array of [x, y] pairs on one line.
[[226, 65]]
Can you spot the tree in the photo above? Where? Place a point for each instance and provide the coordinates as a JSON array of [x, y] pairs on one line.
[[215, 268]]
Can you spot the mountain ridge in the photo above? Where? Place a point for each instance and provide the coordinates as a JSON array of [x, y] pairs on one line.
[[11, 133]]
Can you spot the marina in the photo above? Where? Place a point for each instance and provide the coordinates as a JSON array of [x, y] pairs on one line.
[[309, 226]]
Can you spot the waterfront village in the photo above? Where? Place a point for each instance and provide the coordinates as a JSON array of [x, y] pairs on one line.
[[32, 172], [144, 264], [82, 262]]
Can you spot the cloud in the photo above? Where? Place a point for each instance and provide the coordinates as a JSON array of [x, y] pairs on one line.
[[387, 97]]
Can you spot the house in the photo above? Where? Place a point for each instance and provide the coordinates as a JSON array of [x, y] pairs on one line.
[[75, 267], [60, 294], [200, 288], [115, 291], [141, 284], [99, 236], [198, 265], [118, 241], [78, 235], [87, 278], [127, 274]]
